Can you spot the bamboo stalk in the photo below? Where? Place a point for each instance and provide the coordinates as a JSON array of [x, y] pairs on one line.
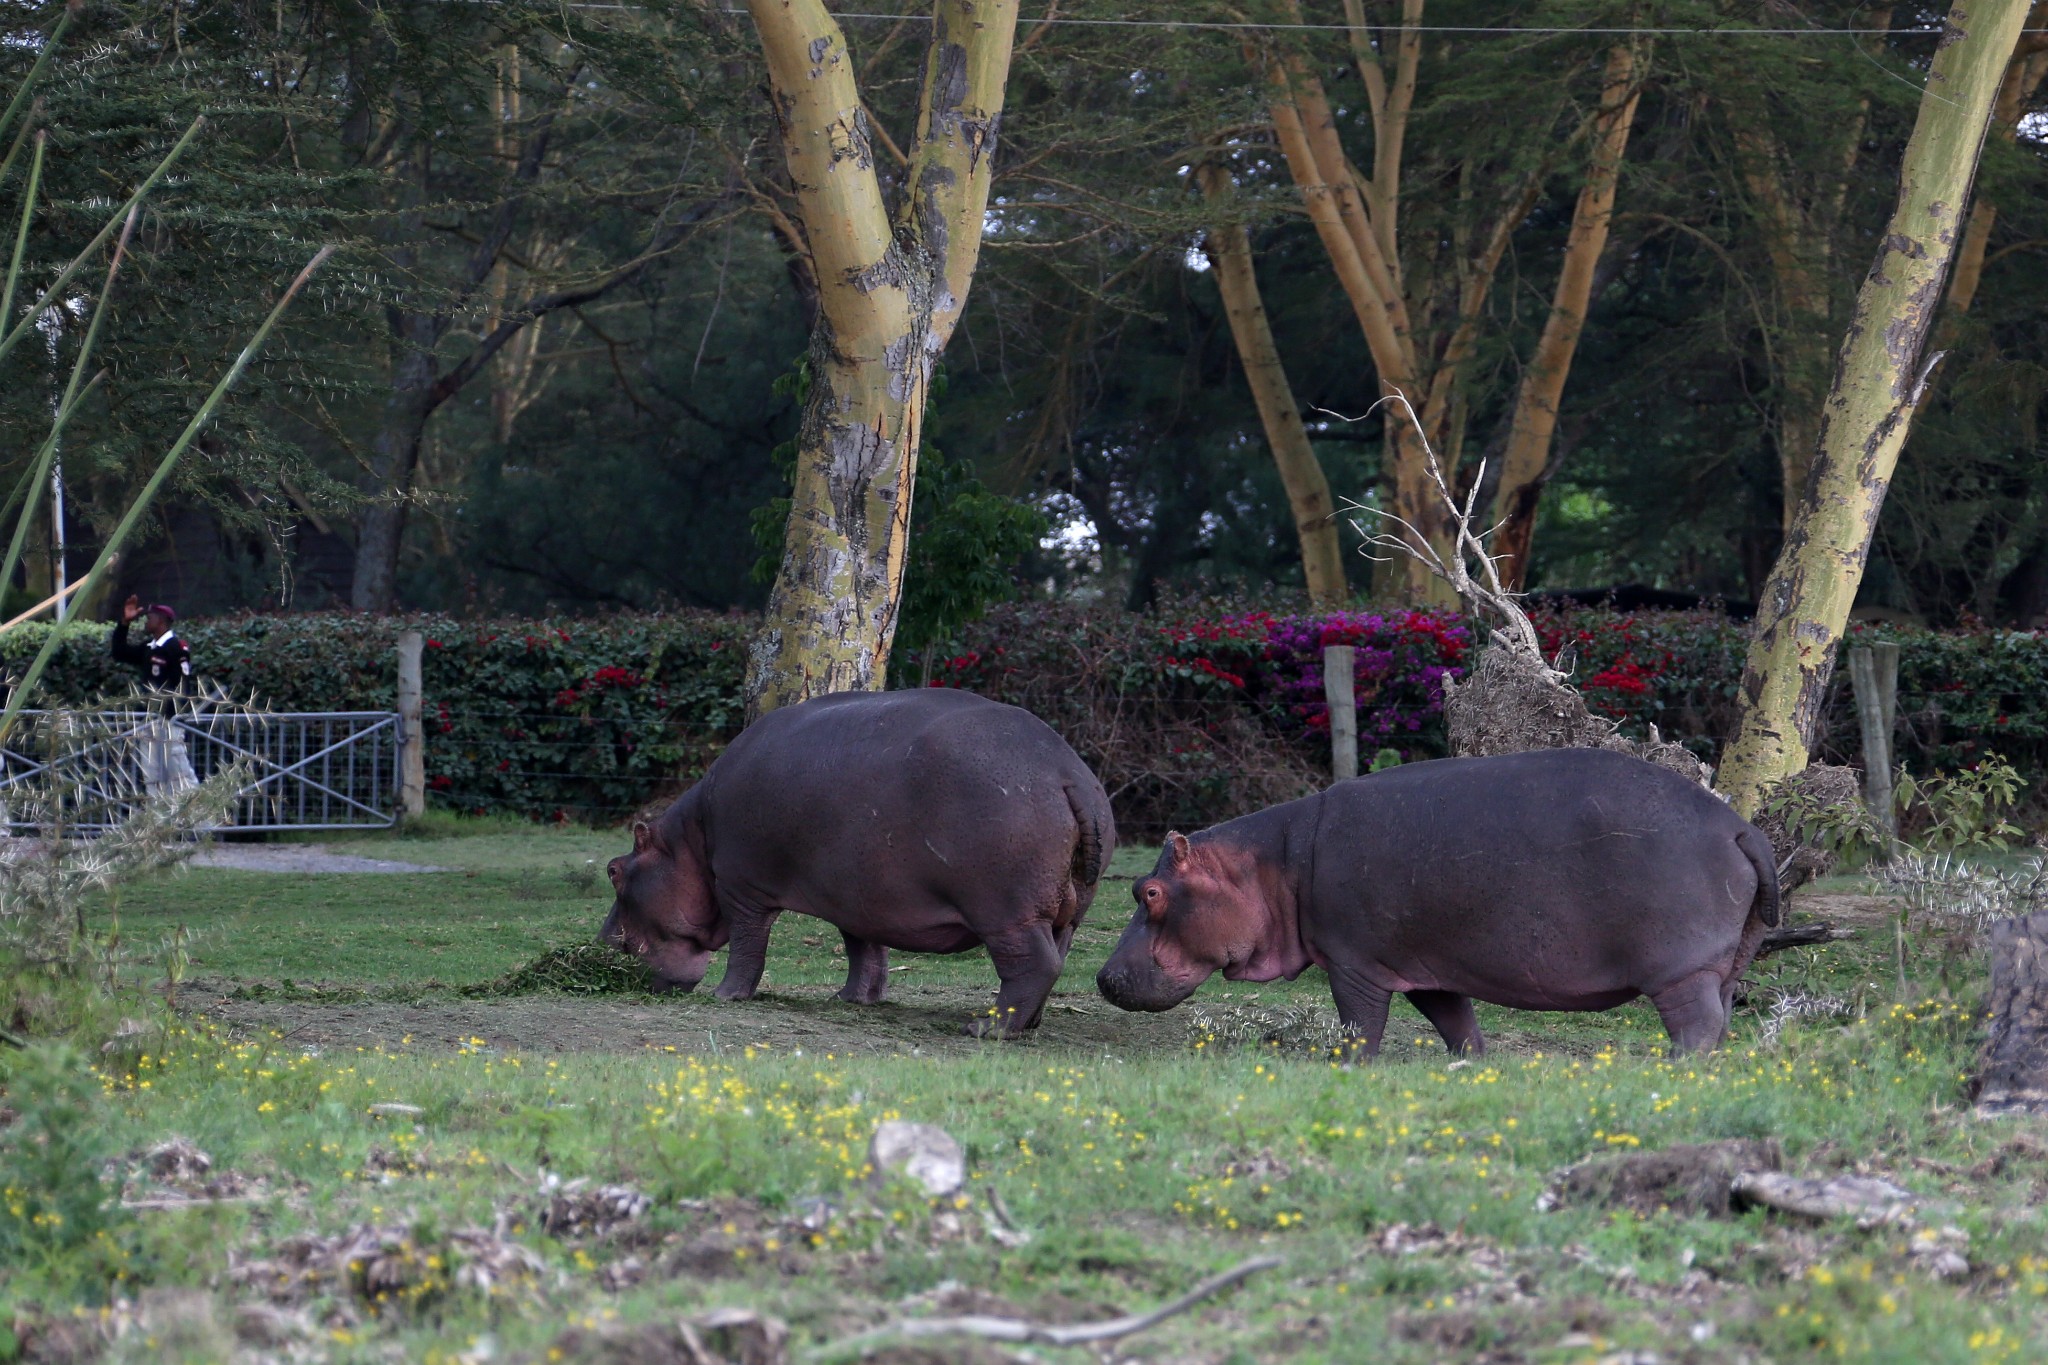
[[69, 404], [26, 687], [28, 475], [35, 73], [28, 212], [39, 608], [163, 168]]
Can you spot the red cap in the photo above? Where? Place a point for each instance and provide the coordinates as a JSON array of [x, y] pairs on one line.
[[159, 609]]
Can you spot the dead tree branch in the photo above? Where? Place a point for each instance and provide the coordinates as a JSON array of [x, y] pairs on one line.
[[1079, 1334], [1485, 593]]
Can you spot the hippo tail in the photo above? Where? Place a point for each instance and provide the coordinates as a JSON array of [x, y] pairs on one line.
[[1757, 849], [1093, 836]]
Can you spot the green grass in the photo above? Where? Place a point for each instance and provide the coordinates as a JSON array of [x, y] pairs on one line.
[[1134, 1178], [1137, 1156]]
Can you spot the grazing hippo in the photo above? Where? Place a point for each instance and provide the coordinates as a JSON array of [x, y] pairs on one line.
[[1563, 879], [930, 820]]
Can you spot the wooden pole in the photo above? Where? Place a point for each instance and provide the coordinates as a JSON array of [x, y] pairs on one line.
[[1874, 671], [1340, 664], [46, 603], [412, 730]]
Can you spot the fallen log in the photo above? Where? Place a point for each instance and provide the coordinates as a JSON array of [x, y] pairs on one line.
[[1801, 936]]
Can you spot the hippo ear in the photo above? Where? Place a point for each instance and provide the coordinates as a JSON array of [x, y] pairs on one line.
[[1177, 844], [642, 836]]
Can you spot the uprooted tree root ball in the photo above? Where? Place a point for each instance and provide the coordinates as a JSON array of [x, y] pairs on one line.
[[1511, 702]]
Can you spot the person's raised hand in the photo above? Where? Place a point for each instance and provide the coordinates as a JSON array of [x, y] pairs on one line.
[[131, 609]]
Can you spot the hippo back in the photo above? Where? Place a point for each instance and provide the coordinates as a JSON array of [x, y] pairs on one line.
[[1536, 879], [861, 805]]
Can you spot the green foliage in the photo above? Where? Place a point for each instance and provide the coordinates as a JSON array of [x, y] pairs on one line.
[[965, 544], [53, 1201], [546, 718], [1965, 808]]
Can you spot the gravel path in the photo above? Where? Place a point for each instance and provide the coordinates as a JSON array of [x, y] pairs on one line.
[[298, 858]]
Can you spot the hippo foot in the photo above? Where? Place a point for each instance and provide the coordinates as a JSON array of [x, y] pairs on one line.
[[728, 990], [989, 1026]]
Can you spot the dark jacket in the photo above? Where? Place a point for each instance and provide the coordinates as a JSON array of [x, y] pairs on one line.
[[166, 664]]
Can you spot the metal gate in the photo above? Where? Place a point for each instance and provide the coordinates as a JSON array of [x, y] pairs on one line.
[[303, 769]]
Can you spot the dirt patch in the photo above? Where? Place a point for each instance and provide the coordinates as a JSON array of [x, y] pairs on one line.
[[300, 858], [1685, 1178], [923, 1021]]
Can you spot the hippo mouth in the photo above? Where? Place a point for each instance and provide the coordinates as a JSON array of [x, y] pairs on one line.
[[1141, 990], [676, 964]]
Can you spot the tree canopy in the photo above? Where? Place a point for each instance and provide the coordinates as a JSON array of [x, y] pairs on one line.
[[541, 370]]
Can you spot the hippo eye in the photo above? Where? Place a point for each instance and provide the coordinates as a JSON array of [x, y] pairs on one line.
[[611, 870]]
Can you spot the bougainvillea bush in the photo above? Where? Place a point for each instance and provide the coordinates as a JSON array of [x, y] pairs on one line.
[[1193, 713]]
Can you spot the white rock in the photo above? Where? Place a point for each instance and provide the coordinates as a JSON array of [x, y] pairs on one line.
[[925, 1154]]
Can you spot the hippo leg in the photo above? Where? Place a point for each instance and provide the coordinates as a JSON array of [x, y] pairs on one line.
[[1361, 1008], [867, 971], [1693, 1012], [1027, 963], [1062, 939], [1453, 1017], [747, 952]]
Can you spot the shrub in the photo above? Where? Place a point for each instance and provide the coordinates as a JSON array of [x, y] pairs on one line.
[[1190, 714]]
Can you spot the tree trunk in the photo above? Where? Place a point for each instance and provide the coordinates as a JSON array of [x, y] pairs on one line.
[[395, 457], [1422, 337], [1301, 473], [2023, 76], [2012, 1067], [1526, 464], [890, 294], [1880, 376]]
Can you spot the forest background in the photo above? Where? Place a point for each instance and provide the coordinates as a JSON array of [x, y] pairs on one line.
[[556, 365]]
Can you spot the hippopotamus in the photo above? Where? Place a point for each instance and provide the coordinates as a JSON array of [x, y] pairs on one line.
[[1562, 879], [931, 820]]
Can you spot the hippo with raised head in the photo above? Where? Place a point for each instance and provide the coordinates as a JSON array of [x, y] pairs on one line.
[[1562, 879], [931, 820]]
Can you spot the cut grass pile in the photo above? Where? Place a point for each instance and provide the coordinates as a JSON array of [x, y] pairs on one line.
[[579, 969]]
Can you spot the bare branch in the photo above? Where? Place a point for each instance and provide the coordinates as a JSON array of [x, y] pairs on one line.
[[1486, 594]]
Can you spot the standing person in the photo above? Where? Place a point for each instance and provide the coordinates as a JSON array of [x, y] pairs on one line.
[[165, 662]]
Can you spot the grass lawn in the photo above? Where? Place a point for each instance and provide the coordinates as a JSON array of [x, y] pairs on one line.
[[1114, 1160]]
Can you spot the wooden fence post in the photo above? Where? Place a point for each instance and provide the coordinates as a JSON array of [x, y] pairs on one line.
[[1340, 664], [1874, 671], [412, 730]]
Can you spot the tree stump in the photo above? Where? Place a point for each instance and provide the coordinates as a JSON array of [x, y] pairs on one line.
[[2012, 1068]]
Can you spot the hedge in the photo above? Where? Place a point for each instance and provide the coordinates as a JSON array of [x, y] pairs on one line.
[[1191, 713], [555, 718]]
